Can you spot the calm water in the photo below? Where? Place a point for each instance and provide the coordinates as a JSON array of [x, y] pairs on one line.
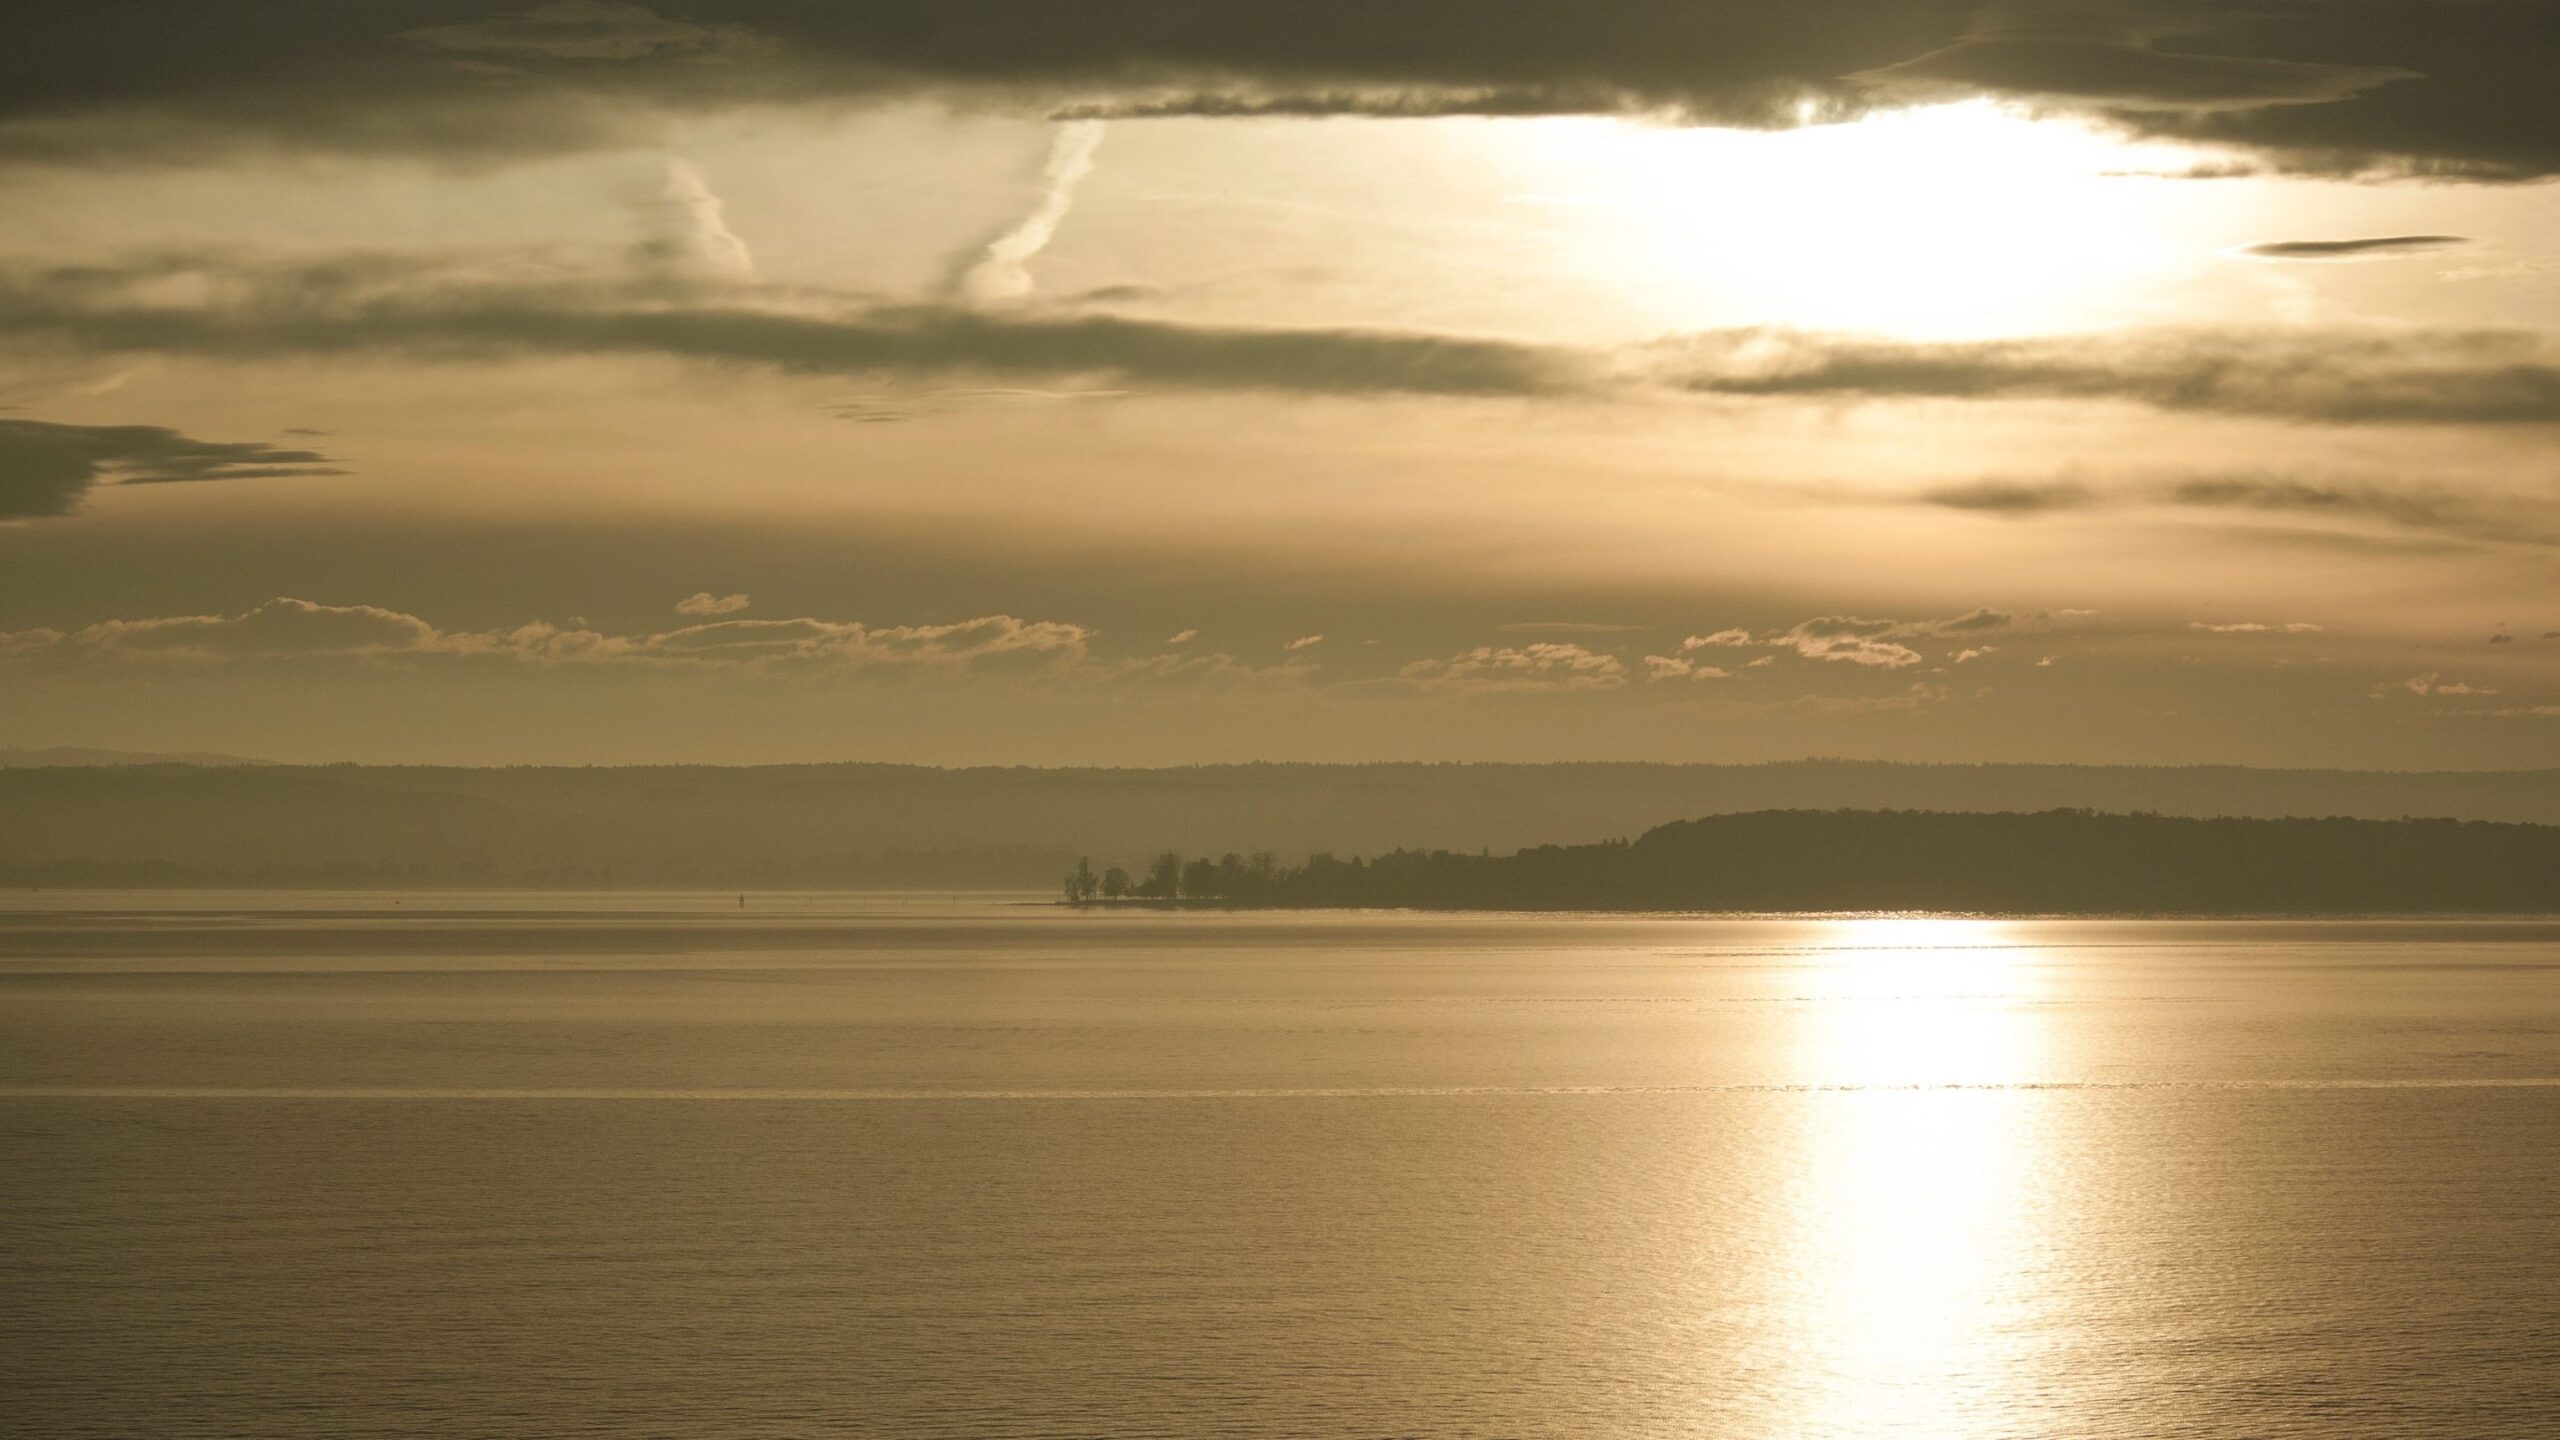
[[648, 1166]]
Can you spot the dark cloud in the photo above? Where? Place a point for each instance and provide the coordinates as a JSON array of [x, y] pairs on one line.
[[2407, 507], [2012, 497], [2121, 74], [2479, 109], [2415, 508], [404, 308], [2398, 86], [376, 305], [575, 30], [2484, 377], [48, 469], [497, 77], [2374, 247]]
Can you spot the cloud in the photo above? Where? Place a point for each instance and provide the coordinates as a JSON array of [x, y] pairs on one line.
[[291, 632], [706, 231], [2487, 519], [1543, 666], [1854, 639], [2433, 684], [359, 305], [2376, 247], [888, 409], [1304, 642], [2408, 507], [2254, 627], [2371, 88], [1182, 637], [2480, 377], [405, 308], [703, 602], [2378, 86], [1726, 637], [1977, 652], [1681, 667], [280, 628], [289, 629], [2006, 497], [1971, 622], [1851, 640], [2122, 74], [499, 79], [571, 30], [47, 469], [999, 270]]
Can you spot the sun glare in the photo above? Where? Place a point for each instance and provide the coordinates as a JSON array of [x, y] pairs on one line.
[[1917, 1183], [1921, 1001], [1944, 221]]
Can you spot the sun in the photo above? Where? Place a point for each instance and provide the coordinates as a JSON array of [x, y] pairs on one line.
[[1937, 222]]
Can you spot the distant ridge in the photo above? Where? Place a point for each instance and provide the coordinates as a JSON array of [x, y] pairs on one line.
[[865, 826], [2055, 862], [82, 755]]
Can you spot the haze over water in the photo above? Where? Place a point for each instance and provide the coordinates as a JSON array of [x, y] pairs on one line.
[[510, 1165]]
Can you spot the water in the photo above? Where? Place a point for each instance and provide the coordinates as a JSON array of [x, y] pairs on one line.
[[650, 1166]]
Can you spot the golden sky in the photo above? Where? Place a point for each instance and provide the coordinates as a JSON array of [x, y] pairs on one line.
[[985, 382]]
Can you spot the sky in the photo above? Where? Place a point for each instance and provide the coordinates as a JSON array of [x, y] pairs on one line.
[[967, 382]]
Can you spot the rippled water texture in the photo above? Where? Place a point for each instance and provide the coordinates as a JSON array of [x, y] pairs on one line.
[[651, 1166]]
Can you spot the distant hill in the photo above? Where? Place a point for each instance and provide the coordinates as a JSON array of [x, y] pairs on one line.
[[902, 825], [2056, 862], [81, 755]]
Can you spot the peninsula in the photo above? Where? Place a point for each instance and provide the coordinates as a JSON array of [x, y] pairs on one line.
[[2048, 862]]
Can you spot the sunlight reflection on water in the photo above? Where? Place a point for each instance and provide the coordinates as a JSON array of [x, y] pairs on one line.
[[1916, 1199]]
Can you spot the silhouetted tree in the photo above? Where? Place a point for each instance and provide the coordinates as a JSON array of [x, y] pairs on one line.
[[1080, 883], [1164, 878], [1115, 883]]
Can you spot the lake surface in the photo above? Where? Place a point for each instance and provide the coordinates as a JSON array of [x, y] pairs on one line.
[[535, 1165]]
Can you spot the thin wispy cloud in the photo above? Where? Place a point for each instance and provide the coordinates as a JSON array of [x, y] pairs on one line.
[[2483, 516], [2378, 247], [1001, 269], [707, 221]]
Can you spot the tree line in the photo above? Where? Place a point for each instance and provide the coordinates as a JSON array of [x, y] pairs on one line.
[[1250, 880], [2050, 862]]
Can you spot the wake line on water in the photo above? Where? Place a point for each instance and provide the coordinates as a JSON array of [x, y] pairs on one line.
[[1370, 1092]]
